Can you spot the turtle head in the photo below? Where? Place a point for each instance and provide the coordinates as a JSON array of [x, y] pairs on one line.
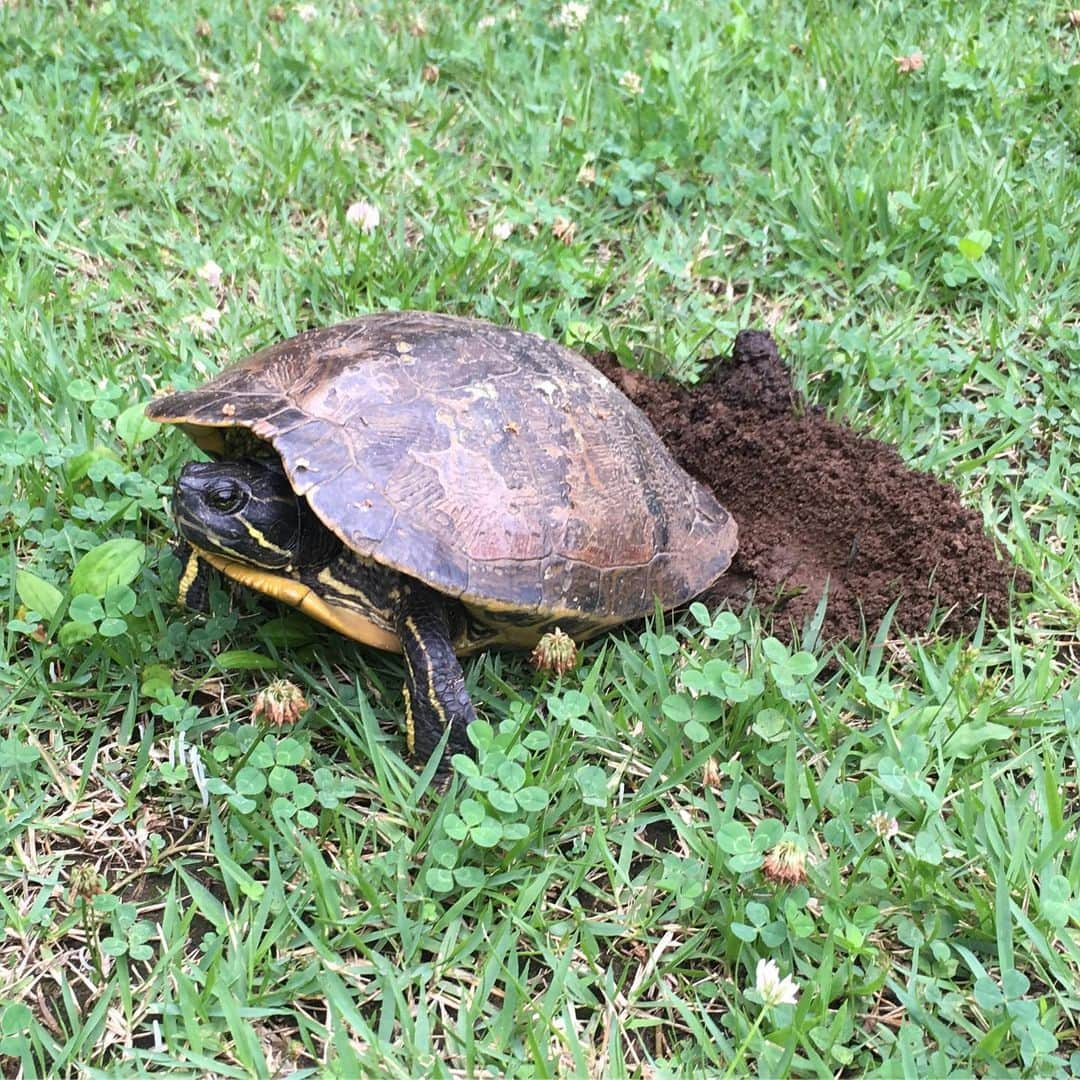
[[246, 510]]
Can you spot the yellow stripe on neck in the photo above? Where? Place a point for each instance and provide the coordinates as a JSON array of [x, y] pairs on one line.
[[261, 540], [191, 572]]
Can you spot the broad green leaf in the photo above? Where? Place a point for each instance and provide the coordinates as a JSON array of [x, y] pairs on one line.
[[79, 466], [743, 864], [470, 877], [38, 594], [14, 753], [511, 775], [289, 751], [569, 706], [262, 754], [243, 660], [116, 562], [757, 913], [132, 425], [677, 708], [532, 799], [770, 724], [1015, 984], [775, 650], [767, 833], [503, 801], [1055, 900], [445, 853], [700, 614], [733, 838], [487, 834], [927, 848], [85, 608], [585, 729], [282, 780], [975, 244], [439, 880], [455, 828], [250, 781], [241, 803], [120, 600], [15, 1017], [696, 731], [480, 735], [303, 795], [593, 783], [724, 626], [971, 736], [73, 632], [82, 390], [465, 765]]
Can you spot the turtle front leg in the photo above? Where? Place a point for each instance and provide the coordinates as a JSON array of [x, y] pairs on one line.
[[435, 694], [193, 588]]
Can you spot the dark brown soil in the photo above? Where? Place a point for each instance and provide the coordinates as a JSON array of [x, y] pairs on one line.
[[818, 504]]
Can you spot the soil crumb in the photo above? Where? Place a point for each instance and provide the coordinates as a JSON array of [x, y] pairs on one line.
[[818, 504]]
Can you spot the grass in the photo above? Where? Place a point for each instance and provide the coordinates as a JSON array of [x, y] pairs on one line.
[[184, 890]]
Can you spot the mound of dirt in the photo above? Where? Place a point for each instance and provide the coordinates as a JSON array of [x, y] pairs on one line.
[[818, 504]]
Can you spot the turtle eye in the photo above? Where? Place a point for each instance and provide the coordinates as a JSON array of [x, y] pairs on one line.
[[226, 497]]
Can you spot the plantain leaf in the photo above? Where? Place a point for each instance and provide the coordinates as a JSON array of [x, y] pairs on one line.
[[38, 594], [133, 426], [116, 562]]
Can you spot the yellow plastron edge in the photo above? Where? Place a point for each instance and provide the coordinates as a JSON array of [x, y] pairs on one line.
[[350, 623]]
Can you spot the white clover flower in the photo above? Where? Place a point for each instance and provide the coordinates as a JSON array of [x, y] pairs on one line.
[[631, 81], [210, 272], [886, 827], [572, 16], [564, 230], [205, 323], [502, 230], [363, 215], [307, 12], [905, 65], [773, 989], [786, 863]]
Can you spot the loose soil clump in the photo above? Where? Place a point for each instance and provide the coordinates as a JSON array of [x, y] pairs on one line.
[[819, 505]]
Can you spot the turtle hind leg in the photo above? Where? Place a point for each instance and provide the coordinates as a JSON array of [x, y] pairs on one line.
[[435, 694]]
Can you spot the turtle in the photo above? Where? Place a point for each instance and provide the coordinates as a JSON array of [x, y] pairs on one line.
[[435, 485]]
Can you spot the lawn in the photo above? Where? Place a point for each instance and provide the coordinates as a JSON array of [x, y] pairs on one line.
[[893, 189]]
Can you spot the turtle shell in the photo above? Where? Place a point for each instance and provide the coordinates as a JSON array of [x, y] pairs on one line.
[[494, 465]]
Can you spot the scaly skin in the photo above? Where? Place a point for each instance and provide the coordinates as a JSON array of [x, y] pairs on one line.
[[435, 697]]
